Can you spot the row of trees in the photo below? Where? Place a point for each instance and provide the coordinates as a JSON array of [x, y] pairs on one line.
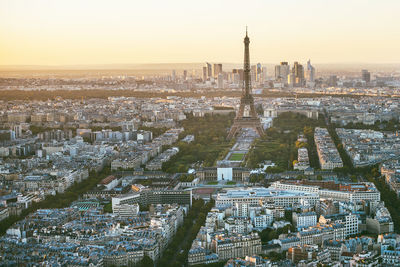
[[209, 143], [256, 177], [186, 178], [100, 93], [176, 253], [105, 93], [279, 142], [312, 149], [348, 168], [392, 202], [156, 131], [59, 200], [269, 234], [371, 173], [347, 163]]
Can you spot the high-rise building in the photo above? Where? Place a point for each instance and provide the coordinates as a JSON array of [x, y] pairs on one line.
[[241, 74], [281, 72], [209, 70], [310, 72], [217, 70], [220, 81], [258, 72], [253, 73], [204, 73], [264, 74], [184, 75], [236, 78], [285, 71], [173, 75], [365, 76], [297, 75]]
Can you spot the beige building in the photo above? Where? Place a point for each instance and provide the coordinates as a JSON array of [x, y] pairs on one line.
[[236, 246]]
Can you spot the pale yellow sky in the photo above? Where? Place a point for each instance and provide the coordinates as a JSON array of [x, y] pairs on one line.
[[69, 32]]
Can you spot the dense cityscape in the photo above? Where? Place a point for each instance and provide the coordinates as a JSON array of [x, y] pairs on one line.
[[217, 164], [138, 180]]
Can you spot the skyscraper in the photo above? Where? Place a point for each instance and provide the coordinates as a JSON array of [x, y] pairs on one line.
[[209, 70], [241, 74], [264, 74], [297, 75], [236, 76], [310, 72], [217, 70], [184, 75], [220, 81], [173, 75], [365, 76], [204, 73], [281, 72], [258, 73]]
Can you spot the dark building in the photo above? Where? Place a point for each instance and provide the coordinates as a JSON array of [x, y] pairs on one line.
[[366, 76]]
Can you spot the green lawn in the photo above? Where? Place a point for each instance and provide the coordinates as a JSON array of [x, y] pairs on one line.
[[231, 183], [212, 182], [236, 156]]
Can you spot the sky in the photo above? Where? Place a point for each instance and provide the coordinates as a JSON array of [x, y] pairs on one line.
[[74, 32]]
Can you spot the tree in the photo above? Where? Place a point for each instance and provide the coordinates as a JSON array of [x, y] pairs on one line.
[[146, 261], [308, 130], [375, 172], [275, 169], [300, 144], [279, 143]]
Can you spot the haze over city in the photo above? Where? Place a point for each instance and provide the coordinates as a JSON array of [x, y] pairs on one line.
[[46, 32]]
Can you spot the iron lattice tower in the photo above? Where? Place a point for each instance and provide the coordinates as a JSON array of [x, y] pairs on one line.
[[243, 120]]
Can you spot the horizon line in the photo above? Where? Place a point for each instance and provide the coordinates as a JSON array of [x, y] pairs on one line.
[[2, 66]]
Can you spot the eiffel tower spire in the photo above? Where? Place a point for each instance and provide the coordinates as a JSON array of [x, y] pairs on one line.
[[246, 66], [243, 120]]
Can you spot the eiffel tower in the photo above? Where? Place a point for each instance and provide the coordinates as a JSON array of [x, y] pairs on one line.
[[246, 116]]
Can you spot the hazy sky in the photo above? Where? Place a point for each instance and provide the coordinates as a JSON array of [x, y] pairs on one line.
[[58, 32]]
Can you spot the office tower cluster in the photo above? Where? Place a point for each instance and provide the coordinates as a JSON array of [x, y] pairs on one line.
[[214, 74], [211, 72], [296, 76]]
